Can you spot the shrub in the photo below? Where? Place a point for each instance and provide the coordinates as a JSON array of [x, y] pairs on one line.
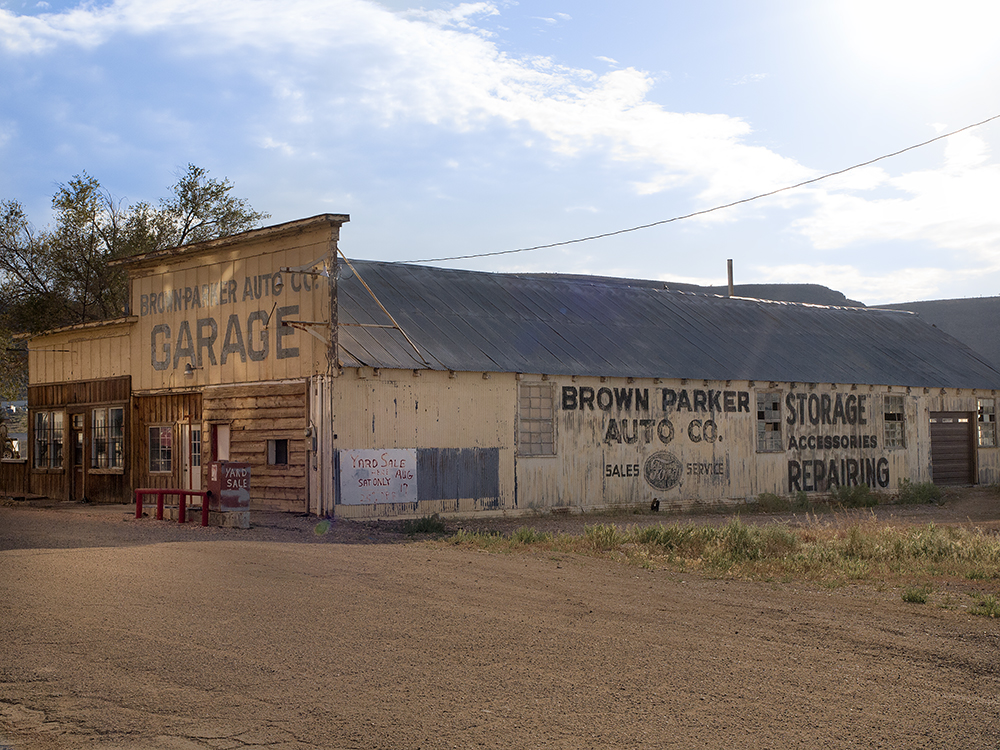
[[771, 503], [860, 496], [913, 493], [426, 525]]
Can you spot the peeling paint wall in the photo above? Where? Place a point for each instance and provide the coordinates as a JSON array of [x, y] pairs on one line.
[[623, 442], [461, 425]]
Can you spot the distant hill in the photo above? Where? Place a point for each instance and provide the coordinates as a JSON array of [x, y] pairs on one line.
[[813, 294], [973, 321]]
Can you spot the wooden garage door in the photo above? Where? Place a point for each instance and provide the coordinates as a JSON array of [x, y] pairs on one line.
[[952, 452]]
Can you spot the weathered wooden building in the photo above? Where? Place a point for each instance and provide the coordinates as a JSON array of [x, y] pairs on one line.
[[377, 389]]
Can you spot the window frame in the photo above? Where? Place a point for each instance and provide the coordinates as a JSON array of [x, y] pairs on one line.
[[892, 417], [536, 417], [170, 430], [981, 423], [55, 437], [767, 442], [114, 461], [273, 452]]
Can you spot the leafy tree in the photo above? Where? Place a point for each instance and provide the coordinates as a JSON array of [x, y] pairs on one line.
[[60, 275]]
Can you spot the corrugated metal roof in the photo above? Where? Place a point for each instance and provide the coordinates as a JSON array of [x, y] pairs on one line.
[[494, 322]]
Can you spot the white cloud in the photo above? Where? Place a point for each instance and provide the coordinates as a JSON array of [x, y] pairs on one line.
[[434, 67], [951, 207], [270, 143], [749, 78]]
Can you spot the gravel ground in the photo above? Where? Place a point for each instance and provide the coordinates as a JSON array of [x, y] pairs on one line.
[[122, 634]]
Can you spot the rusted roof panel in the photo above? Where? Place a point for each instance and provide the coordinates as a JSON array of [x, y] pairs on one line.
[[579, 325]]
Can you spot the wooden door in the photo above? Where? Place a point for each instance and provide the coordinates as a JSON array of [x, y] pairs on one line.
[[953, 447], [77, 458]]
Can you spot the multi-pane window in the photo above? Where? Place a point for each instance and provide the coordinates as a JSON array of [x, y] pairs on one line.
[[107, 438], [48, 440], [987, 422], [538, 420], [161, 443], [769, 422], [894, 421], [196, 447]]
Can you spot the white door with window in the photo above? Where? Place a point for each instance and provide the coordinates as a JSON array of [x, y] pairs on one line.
[[191, 442]]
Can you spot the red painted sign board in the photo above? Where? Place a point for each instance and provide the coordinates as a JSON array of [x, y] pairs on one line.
[[229, 483]]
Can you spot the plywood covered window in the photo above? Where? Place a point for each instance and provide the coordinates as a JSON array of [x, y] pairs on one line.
[[987, 422], [48, 440], [894, 421], [537, 435], [107, 438], [161, 444], [769, 422]]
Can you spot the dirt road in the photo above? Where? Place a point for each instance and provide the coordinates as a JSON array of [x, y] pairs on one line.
[[123, 634]]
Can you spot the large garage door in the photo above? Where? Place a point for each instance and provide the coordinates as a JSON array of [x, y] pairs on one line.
[[952, 452]]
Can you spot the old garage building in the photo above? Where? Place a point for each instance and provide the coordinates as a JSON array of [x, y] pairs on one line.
[[376, 389]]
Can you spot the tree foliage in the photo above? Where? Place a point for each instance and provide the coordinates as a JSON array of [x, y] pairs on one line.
[[60, 275]]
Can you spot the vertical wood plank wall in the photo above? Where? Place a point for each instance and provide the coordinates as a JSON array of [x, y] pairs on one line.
[[171, 409]]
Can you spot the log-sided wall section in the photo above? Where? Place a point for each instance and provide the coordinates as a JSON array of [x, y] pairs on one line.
[[255, 415]]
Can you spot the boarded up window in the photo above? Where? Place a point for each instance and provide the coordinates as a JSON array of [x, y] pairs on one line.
[[894, 434], [456, 473], [769, 422], [538, 428], [987, 422]]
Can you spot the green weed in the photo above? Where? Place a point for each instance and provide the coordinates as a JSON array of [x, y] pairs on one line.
[[425, 525], [987, 606], [916, 594]]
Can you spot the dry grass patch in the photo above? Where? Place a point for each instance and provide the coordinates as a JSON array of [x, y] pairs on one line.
[[819, 551]]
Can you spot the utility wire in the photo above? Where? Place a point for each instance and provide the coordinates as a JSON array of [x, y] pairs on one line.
[[709, 210]]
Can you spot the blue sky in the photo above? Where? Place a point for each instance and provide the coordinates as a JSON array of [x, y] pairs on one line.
[[450, 129]]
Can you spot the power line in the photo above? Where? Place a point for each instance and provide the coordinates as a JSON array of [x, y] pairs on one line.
[[708, 210]]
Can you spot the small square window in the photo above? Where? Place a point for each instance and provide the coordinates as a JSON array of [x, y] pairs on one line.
[[277, 452]]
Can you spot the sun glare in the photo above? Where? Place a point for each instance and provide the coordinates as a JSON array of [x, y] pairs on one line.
[[921, 38]]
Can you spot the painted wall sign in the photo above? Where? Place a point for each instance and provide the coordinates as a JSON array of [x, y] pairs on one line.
[[225, 320], [825, 423], [197, 341], [229, 483], [663, 470], [648, 431], [375, 476]]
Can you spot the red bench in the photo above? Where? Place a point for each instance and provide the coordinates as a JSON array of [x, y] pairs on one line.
[[183, 495]]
